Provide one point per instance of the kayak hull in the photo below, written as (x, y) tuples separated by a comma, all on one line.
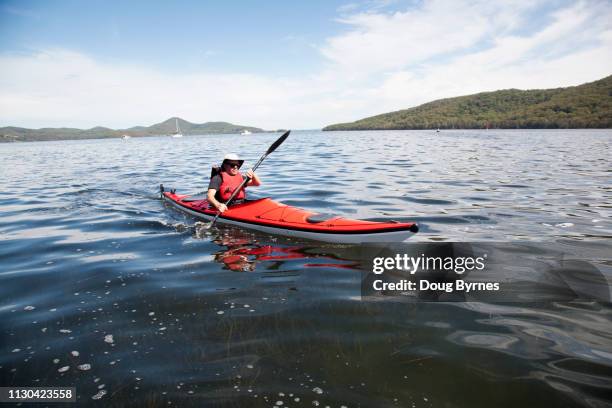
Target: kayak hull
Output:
[(270, 217)]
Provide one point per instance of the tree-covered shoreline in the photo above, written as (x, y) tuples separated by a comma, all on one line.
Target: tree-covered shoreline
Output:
[(584, 106)]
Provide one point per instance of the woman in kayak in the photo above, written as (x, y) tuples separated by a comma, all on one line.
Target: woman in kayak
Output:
[(223, 184)]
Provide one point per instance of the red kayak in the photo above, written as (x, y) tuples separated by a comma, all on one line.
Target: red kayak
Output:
[(272, 217)]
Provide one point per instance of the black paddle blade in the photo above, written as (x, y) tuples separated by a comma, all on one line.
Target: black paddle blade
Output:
[(278, 142)]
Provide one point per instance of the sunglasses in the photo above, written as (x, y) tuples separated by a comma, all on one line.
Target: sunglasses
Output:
[(233, 164)]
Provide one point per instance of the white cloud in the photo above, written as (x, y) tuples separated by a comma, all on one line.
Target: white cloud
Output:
[(379, 42), (383, 62), (348, 7), (64, 87)]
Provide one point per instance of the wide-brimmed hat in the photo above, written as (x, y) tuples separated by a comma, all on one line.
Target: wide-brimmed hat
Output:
[(233, 157)]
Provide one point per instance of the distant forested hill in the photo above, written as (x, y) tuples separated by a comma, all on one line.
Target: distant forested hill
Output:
[(584, 106), (17, 134)]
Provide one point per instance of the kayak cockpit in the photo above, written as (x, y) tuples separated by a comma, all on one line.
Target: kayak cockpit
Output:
[(319, 217), (191, 199)]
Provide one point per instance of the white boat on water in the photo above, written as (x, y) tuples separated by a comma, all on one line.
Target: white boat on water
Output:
[(126, 137), (245, 132), (177, 133)]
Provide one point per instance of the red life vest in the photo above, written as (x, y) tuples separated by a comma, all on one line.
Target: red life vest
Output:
[(228, 184)]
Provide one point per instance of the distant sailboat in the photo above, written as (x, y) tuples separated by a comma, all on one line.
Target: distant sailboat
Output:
[(245, 132), (178, 130)]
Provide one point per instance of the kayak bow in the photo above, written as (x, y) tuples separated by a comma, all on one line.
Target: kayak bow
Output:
[(271, 217)]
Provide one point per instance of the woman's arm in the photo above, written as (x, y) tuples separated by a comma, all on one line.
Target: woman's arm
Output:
[(255, 180), (211, 199)]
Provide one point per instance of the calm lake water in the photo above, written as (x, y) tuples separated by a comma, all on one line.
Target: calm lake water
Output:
[(105, 288)]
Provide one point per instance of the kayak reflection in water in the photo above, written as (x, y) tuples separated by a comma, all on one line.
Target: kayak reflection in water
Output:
[(242, 253), (226, 179)]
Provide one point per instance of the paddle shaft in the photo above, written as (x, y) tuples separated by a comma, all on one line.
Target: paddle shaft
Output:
[(246, 180)]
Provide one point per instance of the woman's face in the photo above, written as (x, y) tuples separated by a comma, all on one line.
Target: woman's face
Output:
[(232, 167)]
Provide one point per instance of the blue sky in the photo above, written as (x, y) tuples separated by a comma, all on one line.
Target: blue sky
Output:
[(282, 64), (191, 35)]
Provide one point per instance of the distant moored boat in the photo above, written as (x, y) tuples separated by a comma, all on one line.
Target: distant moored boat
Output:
[(177, 133), (245, 132)]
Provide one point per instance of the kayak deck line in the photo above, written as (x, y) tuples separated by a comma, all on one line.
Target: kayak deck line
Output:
[(276, 218)]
